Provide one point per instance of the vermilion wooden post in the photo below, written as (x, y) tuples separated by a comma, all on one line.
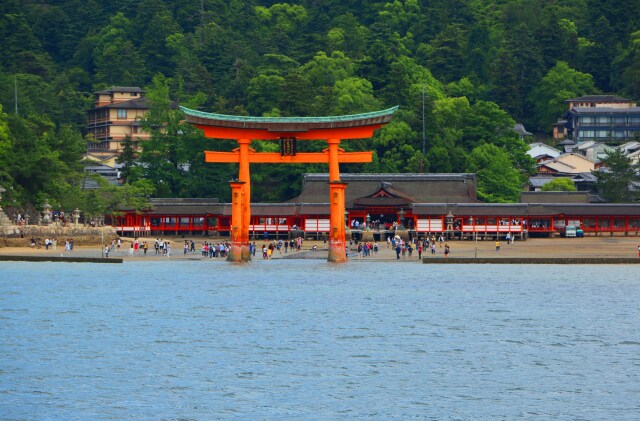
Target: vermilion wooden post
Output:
[(243, 147), (337, 245), (236, 254)]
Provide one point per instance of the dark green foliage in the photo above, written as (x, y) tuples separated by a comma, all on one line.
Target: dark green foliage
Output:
[(483, 66), (619, 180)]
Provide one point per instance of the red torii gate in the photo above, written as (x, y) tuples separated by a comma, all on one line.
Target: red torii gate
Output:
[(288, 130)]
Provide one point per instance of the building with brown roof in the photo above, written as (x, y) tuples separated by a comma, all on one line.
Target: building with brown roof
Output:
[(566, 164), (116, 115), (602, 118)]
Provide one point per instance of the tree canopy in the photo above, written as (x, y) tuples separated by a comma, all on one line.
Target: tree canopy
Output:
[(462, 73), (619, 179), (559, 184)]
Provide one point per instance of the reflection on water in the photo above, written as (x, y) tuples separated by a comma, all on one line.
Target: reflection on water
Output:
[(309, 340)]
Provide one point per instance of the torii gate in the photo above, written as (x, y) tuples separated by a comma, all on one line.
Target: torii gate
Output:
[(288, 130)]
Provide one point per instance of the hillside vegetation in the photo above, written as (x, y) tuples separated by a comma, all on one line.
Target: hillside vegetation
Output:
[(471, 68)]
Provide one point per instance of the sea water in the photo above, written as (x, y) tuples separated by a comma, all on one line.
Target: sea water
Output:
[(302, 339)]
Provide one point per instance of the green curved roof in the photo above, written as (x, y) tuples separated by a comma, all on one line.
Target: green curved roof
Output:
[(326, 119), (288, 123)]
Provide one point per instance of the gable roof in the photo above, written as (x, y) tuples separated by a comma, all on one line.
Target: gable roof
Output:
[(604, 110), (138, 103), (569, 163), (391, 189), (123, 89), (539, 149), (598, 98)]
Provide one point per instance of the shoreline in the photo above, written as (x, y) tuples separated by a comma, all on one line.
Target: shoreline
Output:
[(557, 250)]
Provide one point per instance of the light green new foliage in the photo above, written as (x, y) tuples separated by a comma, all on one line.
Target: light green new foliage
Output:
[(5, 148), (559, 184), (498, 181)]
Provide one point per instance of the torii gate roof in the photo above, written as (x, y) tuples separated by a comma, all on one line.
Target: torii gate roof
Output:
[(289, 124)]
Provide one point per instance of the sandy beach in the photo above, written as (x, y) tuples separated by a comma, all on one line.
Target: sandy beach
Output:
[(591, 247)]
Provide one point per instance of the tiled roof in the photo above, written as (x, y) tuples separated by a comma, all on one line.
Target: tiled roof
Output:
[(288, 123), (124, 89), (405, 188), (138, 103), (605, 110), (598, 98)]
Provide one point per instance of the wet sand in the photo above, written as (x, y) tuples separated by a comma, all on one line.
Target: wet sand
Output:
[(589, 247)]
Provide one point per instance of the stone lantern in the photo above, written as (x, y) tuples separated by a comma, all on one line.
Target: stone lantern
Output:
[(3, 218), (401, 219), (46, 213), (449, 221), (76, 216)]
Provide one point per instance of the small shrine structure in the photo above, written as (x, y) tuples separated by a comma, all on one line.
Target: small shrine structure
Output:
[(288, 131)]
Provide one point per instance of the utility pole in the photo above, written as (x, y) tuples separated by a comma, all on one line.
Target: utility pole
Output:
[(201, 12), (15, 91), (424, 138)]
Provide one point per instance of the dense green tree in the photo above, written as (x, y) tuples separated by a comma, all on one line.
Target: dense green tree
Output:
[(559, 84), (21, 50), (6, 178), (349, 35), (394, 148), (264, 92), (400, 16), (559, 184), (130, 170), (504, 83), (626, 76), (164, 157), (600, 53), (498, 181), (111, 200), (446, 55), (439, 159), (354, 95), (619, 180), (300, 59), (116, 58), (154, 47)]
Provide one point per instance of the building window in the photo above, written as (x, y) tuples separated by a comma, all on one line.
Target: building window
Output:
[(620, 135), (122, 113)]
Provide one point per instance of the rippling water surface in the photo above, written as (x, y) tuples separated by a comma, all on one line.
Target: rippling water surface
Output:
[(309, 340)]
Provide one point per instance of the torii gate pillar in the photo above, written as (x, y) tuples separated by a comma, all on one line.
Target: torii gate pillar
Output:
[(239, 251), (337, 245)]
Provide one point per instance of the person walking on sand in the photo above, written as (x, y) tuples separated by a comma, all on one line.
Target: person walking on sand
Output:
[(446, 250), (497, 245), (106, 251)]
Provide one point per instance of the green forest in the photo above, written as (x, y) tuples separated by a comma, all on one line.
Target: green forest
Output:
[(462, 71)]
